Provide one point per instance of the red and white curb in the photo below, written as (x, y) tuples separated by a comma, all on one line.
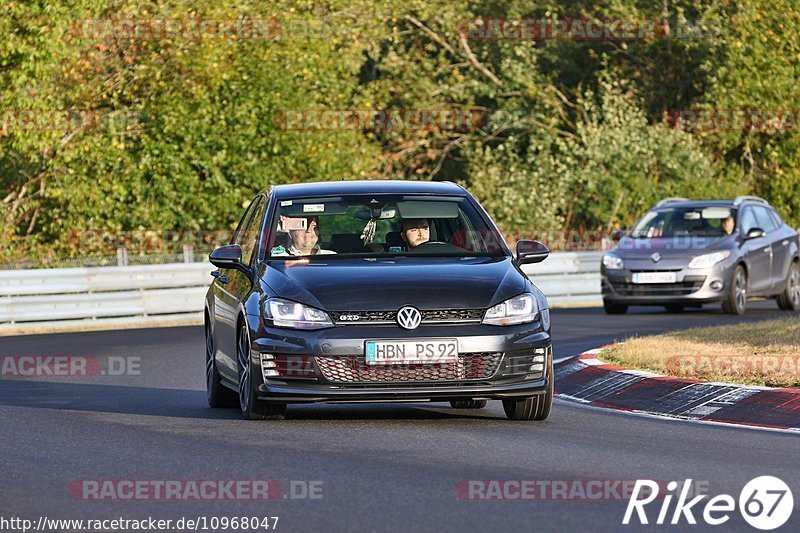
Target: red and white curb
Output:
[(588, 380)]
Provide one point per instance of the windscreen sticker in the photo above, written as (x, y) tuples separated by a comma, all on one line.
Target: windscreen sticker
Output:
[(284, 203), (314, 208)]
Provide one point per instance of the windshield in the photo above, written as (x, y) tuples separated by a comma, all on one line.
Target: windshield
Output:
[(712, 221), (379, 226)]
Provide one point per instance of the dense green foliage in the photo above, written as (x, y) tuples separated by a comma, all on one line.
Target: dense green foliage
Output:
[(103, 130)]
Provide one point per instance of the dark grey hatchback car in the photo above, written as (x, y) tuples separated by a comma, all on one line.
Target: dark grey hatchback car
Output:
[(375, 291), (685, 253)]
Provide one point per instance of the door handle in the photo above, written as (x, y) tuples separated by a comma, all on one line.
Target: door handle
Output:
[(221, 277)]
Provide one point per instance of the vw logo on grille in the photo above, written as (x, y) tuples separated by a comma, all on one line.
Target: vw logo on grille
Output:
[(656, 257), (409, 317)]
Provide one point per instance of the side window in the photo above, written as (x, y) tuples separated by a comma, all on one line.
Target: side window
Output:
[(242, 227), (252, 232), (777, 218), (748, 221), (765, 221)]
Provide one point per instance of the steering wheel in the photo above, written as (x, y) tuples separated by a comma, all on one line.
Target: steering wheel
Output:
[(433, 243)]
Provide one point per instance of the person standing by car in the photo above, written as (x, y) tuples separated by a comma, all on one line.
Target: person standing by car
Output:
[(416, 231)]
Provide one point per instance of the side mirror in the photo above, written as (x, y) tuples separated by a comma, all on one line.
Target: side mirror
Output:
[(617, 235), (228, 256), (531, 252), (754, 233)]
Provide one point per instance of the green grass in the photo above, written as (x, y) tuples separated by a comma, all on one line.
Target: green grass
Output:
[(757, 353)]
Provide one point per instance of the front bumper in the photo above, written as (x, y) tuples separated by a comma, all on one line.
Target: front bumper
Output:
[(693, 286), (494, 363)]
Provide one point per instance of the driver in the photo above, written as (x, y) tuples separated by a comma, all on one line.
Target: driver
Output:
[(728, 225), (415, 231)]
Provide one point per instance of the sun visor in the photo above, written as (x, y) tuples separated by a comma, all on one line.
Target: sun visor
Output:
[(427, 209), (716, 212)]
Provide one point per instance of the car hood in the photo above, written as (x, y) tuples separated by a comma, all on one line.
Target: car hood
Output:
[(376, 284), (671, 248)]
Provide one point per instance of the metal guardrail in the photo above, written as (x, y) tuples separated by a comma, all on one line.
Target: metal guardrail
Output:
[(568, 278), (175, 291), (152, 292)]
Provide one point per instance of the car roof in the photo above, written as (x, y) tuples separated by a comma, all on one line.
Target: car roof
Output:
[(711, 203), (697, 203), (335, 188)]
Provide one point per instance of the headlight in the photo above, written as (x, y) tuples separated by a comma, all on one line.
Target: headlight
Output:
[(708, 260), (612, 262), (286, 314), (518, 310)]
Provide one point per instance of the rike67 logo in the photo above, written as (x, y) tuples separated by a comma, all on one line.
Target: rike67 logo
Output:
[(765, 503)]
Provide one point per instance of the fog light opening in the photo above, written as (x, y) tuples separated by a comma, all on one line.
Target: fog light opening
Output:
[(268, 366), (717, 285)]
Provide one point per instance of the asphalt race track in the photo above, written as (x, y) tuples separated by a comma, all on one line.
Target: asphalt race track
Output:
[(393, 467)]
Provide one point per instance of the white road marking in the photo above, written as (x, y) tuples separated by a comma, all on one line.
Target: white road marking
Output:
[(577, 402)]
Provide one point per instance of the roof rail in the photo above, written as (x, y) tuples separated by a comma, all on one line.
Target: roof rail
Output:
[(671, 200), (745, 198)]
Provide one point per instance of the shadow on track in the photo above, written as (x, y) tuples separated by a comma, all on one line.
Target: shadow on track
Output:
[(192, 404)]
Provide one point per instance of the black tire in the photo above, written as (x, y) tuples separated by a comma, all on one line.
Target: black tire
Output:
[(218, 394), (614, 309), (735, 302), (533, 408), (468, 404), (674, 308), (252, 408), (789, 299)]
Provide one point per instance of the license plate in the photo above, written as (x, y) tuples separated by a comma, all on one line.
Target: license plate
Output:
[(655, 277), (434, 351)]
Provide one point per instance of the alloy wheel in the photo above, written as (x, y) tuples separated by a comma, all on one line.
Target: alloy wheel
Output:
[(244, 369), (209, 359), (794, 286), (741, 289)]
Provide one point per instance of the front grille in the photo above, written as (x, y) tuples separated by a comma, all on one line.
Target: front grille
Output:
[(353, 369), (436, 316), (689, 285), (634, 271)]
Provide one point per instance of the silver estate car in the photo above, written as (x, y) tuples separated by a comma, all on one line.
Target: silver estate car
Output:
[(684, 253)]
